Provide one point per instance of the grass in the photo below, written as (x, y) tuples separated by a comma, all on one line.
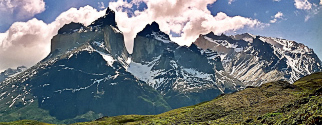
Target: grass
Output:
[(24, 122), (272, 103)]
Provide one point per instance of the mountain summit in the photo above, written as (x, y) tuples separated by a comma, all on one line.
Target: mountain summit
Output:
[(255, 60), (85, 74), (183, 73), (149, 29), (107, 19), (153, 31), (90, 73)]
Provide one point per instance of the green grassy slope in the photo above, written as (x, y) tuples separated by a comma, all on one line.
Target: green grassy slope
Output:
[(24, 122), (272, 103)]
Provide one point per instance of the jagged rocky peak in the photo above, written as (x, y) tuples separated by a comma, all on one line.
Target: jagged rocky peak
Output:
[(149, 29), (113, 38), (107, 19), (193, 47), (102, 35), (218, 37), (244, 55), (150, 43), (185, 73), (244, 35), (153, 31), (89, 64), (71, 28)]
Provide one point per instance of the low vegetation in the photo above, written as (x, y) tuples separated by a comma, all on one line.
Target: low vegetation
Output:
[(272, 103)]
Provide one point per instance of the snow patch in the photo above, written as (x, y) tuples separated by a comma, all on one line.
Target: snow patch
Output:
[(14, 100), (225, 43), (160, 37), (248, 40), (238, 50), (116, 30), (142, 72), (99, 44), (194, 73), (107, 57)]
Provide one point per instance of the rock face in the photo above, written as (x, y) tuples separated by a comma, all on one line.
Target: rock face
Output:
[(107, 20), (90, 73), (114, 41), (85, 74), (71, 28), (275, 102), (104, 29), (183, 73), (255, 60)]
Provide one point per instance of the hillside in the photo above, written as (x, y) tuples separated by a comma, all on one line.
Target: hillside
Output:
[(89, 74), (84, 74), (11, 72), (271, 103), (255, 60), (274, 102)]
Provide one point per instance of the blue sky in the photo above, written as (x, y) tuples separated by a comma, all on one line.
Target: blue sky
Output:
[(293, 26), (298, 20)]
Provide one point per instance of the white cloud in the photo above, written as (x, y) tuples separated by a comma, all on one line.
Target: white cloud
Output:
[(303, 4), (26, 43), (278, 15), (312, 12), (311, 9), (101, 5), (187, 18), (277, 0), (85, 15), (15, 10), (230, 1), (273, 20)]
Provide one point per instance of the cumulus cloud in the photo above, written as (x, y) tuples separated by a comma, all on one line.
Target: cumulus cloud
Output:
[(278, 15), (26, 43), (186, 18), (312, 12), (85, 15), (311, 9), (19, 9), (303, 4)]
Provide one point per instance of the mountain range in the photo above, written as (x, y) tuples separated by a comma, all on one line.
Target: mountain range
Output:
[(90, 74), (276, 102), (11, 72)]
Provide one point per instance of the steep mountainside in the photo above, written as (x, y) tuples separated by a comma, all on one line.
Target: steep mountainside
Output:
[(183, 73), (272, 103), (255, 59), (89, 74), (85, 74)]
